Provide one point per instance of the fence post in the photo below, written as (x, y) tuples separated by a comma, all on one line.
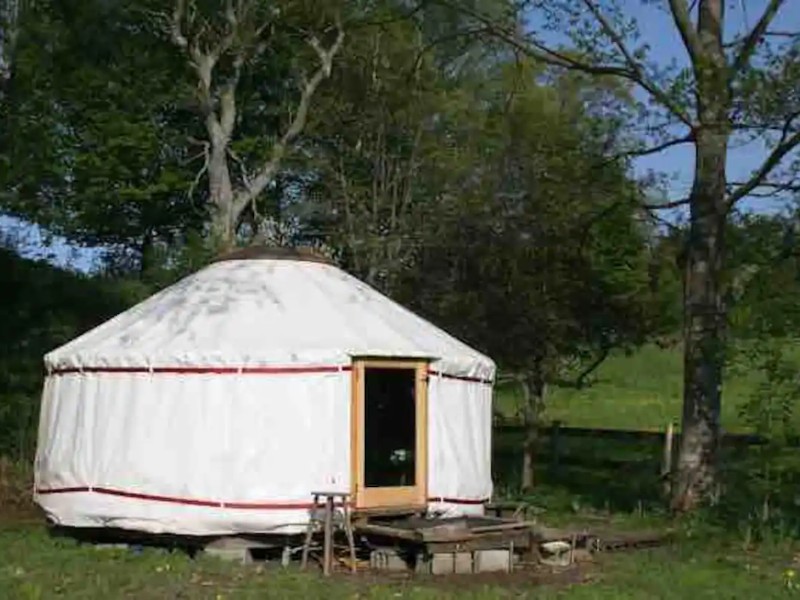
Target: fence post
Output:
[(555, 444), (666, 461)]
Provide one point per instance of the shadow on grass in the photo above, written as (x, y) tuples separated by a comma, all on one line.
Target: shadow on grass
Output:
[(601, 474), (760, 494)]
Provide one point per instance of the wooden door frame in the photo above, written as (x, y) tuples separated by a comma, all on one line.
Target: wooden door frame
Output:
[(410, 496)]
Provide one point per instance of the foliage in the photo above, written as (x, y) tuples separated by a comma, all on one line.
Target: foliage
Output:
[(731, 87), (537, 256), (94, 140), (42, 308)]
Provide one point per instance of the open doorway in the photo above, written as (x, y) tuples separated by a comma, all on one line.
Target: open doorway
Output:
[(390, 433)]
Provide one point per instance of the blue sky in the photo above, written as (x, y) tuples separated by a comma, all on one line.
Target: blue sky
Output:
[(33, 242), (656, 28)]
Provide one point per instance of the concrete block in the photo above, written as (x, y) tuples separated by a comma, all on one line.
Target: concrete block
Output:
[(451, 562), (487, 561), (463, 562), (231, 549), (111, 546), (241, 555), (387, 560), (422, 564)]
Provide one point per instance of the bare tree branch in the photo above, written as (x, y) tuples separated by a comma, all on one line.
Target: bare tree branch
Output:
[(206, 154), (666, 205), (176, 25), (267, 172), (242, 168), (786, 145), (750, 42), (775, 188), (681, 15), (444, 39), (632, 72), (639, 152)]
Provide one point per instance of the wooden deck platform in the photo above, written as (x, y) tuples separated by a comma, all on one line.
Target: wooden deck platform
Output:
[(460, 534)]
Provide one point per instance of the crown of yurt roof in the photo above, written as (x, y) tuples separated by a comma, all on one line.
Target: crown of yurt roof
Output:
[(256, 252)]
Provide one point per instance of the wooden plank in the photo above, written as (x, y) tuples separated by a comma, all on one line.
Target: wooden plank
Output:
[(387, 511), (328, 541), (356, 432), (421, 457), (504, 526), (387, 531), (495, 541)]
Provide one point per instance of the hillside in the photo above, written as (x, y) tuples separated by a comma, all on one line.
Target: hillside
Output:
[(640, 391)]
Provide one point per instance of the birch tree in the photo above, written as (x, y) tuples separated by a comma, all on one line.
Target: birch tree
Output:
[(219, 46), (9, 30), (733, 85)]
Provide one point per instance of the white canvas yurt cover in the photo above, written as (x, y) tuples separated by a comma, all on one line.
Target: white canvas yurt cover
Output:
[(218, 405)]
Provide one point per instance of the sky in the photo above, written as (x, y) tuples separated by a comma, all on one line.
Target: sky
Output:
[(678, 162), (656, 27)]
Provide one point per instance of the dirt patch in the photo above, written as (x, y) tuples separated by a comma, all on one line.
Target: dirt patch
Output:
[(15, 489), (10, 518)]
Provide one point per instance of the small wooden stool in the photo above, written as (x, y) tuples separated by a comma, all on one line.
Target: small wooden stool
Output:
[(327, 520)]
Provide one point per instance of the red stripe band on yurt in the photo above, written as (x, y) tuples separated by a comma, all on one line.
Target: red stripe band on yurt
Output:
[(274, 505), (460, 377), (463, 501), (204, 370), (66, 490)]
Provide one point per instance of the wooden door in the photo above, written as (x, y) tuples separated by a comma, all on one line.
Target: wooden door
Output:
[(389, 433)]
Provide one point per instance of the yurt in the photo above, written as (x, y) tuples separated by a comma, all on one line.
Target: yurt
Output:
[(218, 405)]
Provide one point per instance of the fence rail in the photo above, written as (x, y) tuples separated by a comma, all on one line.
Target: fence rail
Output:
[(650, 435)]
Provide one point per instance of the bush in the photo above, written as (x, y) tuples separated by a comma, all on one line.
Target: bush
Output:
[(16, 481)]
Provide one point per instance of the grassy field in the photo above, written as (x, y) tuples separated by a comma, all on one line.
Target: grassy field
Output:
[(640, 391), (35, 566)]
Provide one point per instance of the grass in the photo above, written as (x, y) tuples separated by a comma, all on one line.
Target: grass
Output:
[(34, 565), (15, 486), (641, 391), (693, 570)]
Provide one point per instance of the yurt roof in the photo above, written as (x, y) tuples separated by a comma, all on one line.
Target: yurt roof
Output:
[(266, 307)]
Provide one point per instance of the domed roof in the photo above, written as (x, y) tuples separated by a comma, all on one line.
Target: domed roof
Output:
[(275, 308)]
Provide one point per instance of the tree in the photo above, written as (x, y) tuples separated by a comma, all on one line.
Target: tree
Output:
[(534, 253), (381, 140), (375, 145), (219, 45), (732, 86), (9, 31), (95, 151)]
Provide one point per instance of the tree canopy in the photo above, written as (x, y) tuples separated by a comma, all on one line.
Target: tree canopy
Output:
[(470, 159)]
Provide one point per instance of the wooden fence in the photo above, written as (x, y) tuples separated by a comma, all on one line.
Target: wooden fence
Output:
[(558, 430), (650, 450)]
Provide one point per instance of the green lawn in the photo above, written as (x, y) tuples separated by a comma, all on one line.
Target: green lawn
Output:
[(34, 565), (640, 391)]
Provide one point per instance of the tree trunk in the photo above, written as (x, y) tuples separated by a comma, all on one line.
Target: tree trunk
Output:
[(146, 249), (704, 311), (704, 331), (9, 30), (223, 219), (533, 391)]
